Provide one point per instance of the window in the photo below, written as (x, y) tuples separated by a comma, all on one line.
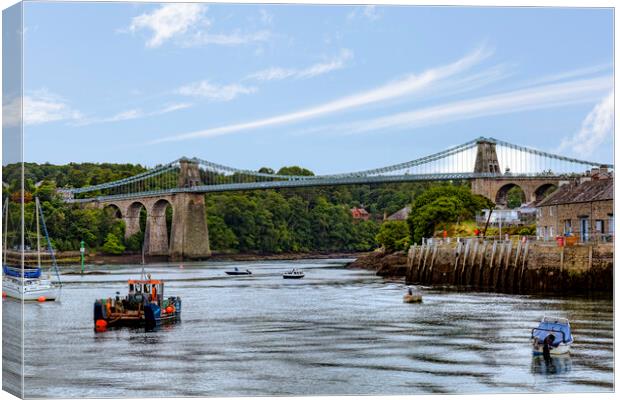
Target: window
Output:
[(599, 226), (611, 224), (551, 232), (567, 226), (584, 225), (551, 211)]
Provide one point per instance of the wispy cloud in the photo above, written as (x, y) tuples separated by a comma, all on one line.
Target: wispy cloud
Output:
[(186, 24), (278, 73), (369, 12), (545, 96), (214, 92), (575, 73), (402, 87), (265, 16), (39, 107), (130, 114), (168, 21), (595, 129), (225, 39)]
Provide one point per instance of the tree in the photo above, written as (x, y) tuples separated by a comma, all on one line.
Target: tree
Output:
[(295, 170), (440, 205), (393, 235), (515, 197), (113, 245)]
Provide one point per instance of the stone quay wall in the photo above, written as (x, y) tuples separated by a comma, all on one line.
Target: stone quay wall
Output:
[(513, 266)]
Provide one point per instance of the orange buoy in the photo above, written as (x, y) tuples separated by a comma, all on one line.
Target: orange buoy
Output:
[(41, 299), (101, 325), (169, 309)]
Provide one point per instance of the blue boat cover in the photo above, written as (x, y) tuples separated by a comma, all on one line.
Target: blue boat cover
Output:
[(545, 328), (17, 272)]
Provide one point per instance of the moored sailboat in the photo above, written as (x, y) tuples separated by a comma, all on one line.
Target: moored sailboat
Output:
[(25, 282)]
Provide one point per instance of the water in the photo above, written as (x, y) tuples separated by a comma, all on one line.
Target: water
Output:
[(336, 331)]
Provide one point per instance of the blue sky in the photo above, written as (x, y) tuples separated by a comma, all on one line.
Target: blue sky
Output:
[(331, 88)]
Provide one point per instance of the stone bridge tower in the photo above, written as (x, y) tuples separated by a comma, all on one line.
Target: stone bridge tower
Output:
[(486, 158), (496, 188)]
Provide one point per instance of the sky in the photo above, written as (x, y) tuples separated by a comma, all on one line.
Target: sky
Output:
[(330, 88)]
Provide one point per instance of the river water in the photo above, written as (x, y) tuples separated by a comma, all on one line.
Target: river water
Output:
[(337, 331)]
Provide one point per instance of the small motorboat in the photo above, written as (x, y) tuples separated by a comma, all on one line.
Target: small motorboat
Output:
[(411, 297), (236, 271), (552, 335), (293, 274)]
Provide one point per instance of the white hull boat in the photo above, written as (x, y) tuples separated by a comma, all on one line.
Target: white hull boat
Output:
[(30, 289), (26, 282)]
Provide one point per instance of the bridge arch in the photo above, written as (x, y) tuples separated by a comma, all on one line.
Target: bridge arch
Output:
[(501, 197), (158, 226), (544, 190), (132, 218), (114, 210)]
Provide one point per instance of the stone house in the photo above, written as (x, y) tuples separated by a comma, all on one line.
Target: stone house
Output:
[(583, 208)]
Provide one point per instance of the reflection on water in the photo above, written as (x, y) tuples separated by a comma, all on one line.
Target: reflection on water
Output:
[(336, 331), (559, 364)]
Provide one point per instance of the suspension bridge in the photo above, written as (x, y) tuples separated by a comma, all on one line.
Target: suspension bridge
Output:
[(493, 166)]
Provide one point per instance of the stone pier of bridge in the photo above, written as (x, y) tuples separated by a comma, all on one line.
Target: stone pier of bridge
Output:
[(188, 237)]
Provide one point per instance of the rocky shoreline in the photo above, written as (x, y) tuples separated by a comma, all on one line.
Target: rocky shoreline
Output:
[(393, 265)]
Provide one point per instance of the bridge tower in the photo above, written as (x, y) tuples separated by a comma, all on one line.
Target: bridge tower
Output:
[(486, 157), (189, 236)]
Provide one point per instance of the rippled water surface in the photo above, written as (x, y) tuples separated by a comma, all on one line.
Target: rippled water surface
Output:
[(336, 331)]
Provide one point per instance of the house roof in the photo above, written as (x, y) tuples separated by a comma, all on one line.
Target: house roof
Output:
[(594, 190), (400, 215)]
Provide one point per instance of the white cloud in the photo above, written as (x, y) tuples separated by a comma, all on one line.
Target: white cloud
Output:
[(547, 96), (266, 17), (402, 87), (277, 73), (215, 92), (186, 24), (39, 107), (131, 114), (595, 128), (11, 112), (225, 39), (168, 21), (369, 12)]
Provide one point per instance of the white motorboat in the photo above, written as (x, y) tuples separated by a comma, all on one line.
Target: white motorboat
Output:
[(293, 274), (553, 335)]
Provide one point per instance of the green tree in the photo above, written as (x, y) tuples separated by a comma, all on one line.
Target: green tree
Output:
[(440, 205), (295, 170), (393, 235), (113, 245), (515, 197)]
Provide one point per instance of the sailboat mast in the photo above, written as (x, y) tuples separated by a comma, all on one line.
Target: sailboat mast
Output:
[(36, 211), (6, 227)]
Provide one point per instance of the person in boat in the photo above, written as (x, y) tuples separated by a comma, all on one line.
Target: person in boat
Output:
[(547, 343), (409, 292), (236, 269)]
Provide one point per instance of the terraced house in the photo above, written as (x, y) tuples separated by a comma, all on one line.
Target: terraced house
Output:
[(582, 208)]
